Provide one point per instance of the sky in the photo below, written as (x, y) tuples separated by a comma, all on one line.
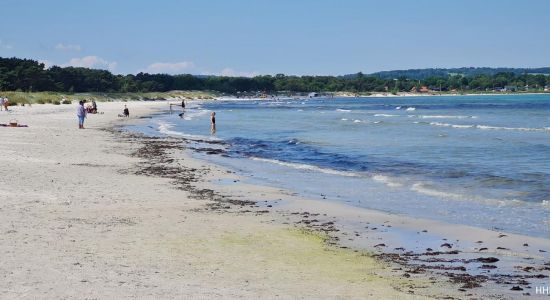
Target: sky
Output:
[(298, 37)]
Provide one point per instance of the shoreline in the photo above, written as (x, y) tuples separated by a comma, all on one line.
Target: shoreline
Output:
[(450, 243), (210, 192), (95, 214)]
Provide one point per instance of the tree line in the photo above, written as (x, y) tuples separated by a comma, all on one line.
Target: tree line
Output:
[(445, 72), (29, 75)]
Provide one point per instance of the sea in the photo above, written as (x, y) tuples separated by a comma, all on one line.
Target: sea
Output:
[(482, 161)]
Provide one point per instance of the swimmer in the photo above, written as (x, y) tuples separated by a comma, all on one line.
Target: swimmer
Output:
[(213, 122)]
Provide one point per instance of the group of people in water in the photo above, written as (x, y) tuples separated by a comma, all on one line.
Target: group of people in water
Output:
[(212, 117), (82, 112)]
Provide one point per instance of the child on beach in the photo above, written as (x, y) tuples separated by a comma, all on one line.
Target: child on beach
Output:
[(81, 114), (126, 112), (213, 122)]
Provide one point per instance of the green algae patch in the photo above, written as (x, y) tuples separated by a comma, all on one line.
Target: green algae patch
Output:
[(240, 251), (303, 250)]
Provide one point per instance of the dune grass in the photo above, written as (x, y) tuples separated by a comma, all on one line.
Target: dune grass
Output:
[(22, 98)]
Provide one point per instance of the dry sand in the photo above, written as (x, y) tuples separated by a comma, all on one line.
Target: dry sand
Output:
[(78, 223)]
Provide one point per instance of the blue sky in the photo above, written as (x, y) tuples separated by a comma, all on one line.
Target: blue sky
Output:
[(246, 37)]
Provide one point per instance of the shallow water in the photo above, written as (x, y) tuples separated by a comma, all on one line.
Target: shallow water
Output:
[(476, 160)]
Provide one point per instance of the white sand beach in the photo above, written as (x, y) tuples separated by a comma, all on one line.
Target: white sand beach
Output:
[(77, 223)]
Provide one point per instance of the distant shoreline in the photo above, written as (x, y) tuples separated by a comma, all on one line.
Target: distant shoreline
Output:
[(25, 98)]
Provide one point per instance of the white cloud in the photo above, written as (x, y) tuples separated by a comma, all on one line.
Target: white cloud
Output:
[(47, 63), (169, 68), (67, 47), (91, 61), (232, 73), (5, 46)]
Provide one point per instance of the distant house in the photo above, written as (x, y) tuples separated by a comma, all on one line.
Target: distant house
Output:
[(313, 95), (424, 89), (413, 90), (546, 89), (510, 88), (435, 89)]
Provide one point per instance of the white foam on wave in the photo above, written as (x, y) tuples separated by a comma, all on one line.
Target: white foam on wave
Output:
[(444, 117), (545, 203), (512, 128), (387, 181), (344, 119), (410, 109), (307, 167), (357, 121), (451, 125), (399, 107), (425, 189), (385, 115), (166, 128), (486, 127), (191, 114), (343, 110)]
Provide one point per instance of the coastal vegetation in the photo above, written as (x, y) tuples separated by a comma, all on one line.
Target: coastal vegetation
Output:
[(19, 97), (467, 72), (26, 75)]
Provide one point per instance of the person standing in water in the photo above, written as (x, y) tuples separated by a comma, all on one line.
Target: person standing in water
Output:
[(182, 104), (81, 114), (213, 122)]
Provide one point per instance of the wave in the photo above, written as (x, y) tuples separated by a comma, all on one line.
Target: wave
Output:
[(426, 189), (513, 128), (445, 117), (307, 167), (388, 181), (166, 128), (385, 115), (343, 110), (191, 114), (294, 142), (451, 125), (410, 109), (486, 127)]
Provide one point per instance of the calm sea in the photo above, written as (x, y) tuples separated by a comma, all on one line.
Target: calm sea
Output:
[(476, 160)]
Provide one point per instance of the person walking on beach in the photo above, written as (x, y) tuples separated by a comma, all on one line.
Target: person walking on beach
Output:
[(182, 104), (81, 114), (1, 103), (213, 122)]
